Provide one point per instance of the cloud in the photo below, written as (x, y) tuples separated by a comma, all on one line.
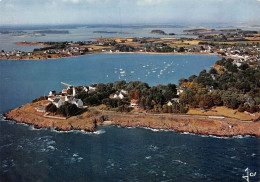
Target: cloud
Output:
[(150, 2), (81, 1)]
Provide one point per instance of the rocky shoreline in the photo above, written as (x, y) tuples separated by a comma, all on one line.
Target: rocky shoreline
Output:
[(38, 121), (202, 125), (195, 124)]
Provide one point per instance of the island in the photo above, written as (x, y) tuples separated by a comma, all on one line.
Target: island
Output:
[(211, 103), (110, 32), (160, 32), (52, 31)]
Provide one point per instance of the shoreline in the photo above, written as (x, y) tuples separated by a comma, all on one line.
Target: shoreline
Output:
[(88, 122), (159, 53)]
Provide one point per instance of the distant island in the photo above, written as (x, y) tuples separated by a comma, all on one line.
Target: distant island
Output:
[(11, 32), (160, 32), (221, 31), (52, 31), (110, 32), (212, 103)]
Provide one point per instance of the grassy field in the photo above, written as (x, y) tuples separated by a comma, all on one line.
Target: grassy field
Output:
[(224, 111)]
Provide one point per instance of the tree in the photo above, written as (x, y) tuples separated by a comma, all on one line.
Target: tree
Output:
[(213, 71), (119, 85), (181, 49), (68, 109), (204, 79), (182, 80), (135, 94), (244, 66), (192, 78), (51, 108), (170, 91)]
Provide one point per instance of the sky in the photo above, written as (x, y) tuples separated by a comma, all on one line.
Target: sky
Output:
[(29, 12)]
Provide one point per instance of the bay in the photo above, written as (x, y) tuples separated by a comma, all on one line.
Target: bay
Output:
[(112, 153)]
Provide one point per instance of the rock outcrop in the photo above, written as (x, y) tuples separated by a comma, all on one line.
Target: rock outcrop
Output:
[(187, 123), (197, 124)]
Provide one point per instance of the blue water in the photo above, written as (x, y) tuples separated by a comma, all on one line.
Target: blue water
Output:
[(81, 34), (112, 153), (22, 81)]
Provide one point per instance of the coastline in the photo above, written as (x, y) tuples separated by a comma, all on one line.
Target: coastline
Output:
[(88, 121), (159, 53)]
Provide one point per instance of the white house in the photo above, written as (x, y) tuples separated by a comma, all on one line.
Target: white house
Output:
[(126, 91), (77, 102), (118, 95), (52, 93), (85, 89), (173, 101), (51, 98), (68, 98), (92, 89), (179, 91), (57, 102)]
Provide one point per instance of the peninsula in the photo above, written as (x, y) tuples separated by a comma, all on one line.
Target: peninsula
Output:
[(211, 103)]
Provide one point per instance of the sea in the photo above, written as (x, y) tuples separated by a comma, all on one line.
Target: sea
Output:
[(113, 153)]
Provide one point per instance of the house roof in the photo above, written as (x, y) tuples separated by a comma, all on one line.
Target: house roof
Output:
[(76, 100), (56, 100), (134, 101)]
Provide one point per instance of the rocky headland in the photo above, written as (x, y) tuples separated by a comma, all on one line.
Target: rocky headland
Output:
[(88, 121)]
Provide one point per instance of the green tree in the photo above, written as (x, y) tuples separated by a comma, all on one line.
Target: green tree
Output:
[(51, 108)]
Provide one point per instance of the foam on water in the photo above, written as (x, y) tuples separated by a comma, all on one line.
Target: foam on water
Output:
[(148, 157), (153, 148), (179, 161), (98, 132), (32, 128), (218, 137)]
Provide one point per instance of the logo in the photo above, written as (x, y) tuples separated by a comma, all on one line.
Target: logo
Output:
[(248, 175)]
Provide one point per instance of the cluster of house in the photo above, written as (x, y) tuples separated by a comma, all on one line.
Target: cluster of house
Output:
[(14, 53), (134, 102), (240, 54), (121, 95), (59, 99), (70, 51)]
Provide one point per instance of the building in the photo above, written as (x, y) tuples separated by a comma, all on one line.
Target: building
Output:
[(68, 98), (52, 93), (51, 98), (173, 101), (74, 92), (77, 102), (126, 91), (92, 89), (58, 102), (179, 90), (134, 103), (85, 89), (64, 91), (118, 95)]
